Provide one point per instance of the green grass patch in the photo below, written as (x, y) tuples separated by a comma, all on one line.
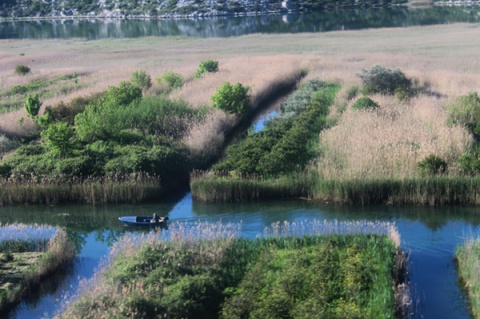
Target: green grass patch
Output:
[(13, 98), (201, 274)]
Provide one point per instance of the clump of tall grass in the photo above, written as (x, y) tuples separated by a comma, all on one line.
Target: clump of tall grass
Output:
[(468, 259), (56, 251), (56, 189), (190, 270)]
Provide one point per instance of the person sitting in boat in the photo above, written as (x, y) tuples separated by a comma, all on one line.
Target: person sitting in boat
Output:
[(155, 218)]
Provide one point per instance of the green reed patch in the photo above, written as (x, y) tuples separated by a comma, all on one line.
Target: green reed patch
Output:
[(206, 271), (56, 189), (468, 260)]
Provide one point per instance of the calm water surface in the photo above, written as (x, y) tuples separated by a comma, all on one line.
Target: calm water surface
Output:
[(429, 235), (351, 19)]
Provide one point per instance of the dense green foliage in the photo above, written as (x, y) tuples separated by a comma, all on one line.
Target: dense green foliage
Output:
[(283, 146), (22, 69), (207, 66), (379, 79), (337, 276), (117, 133), (468, 260), (232, 98)]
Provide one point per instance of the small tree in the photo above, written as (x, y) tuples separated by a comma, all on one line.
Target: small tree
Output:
[(32, 106), (141, 80), (232, 98), (22, 69), (208, 66)]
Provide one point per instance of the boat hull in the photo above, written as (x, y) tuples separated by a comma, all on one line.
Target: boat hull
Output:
[(142, 221)]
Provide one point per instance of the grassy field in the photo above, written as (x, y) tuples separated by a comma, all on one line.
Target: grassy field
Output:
[(444, 56)]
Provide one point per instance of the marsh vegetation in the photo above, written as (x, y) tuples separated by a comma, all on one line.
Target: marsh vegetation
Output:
[(206, 271), (29, 254)]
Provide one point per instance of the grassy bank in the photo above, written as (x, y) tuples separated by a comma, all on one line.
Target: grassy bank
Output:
[(56, 190), (206, 271), (28, 255), (468, 260), (426, 191)]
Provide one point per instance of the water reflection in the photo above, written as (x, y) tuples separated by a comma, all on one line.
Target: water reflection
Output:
[(348, 19), (430, 235)]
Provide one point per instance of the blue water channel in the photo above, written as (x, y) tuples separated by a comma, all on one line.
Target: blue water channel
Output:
[(429, 235)]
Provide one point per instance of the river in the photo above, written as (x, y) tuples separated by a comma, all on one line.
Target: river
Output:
[(429, 235), (351, 19)]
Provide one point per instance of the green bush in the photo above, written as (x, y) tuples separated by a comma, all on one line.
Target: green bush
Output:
[(232, 98), (365, 103), (432, 165), (22, 69), (58, 138), (208, 66), (171, 79), (465, 110), (141, 80), (379, 79), (469, 163)]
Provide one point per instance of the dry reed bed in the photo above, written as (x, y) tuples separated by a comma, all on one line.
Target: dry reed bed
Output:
[(445, 56), (390, 141)]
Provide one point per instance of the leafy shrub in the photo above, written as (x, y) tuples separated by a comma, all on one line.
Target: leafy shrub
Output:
[(232, 98), (379, 79), (465, 110), (32, 106), (365, 103), (469, 163), (22, 69), (208, 66), (171, 79), (432, 165), (141, 80)]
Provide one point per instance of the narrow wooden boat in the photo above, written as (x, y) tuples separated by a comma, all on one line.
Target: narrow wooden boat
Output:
[(143, 221)]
